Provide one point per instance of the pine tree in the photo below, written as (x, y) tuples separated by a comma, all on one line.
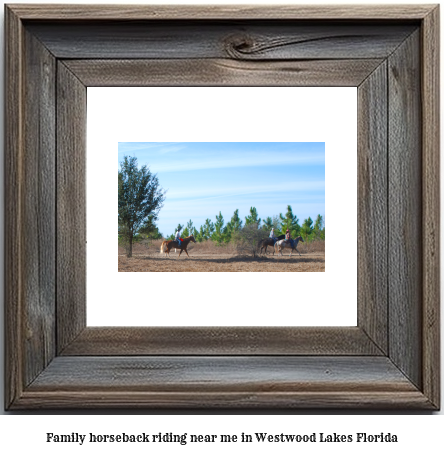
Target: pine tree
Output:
[(267, 224), (235, 224), (218, 235), (290, 222), (307, 229), (190, 228), (208, 228), (319, 230), (272, 222), (149, 229), (200, 236), (253, 218), (139, 196)]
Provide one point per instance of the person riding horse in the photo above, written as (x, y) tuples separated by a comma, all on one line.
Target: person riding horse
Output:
[(288, 237), (273, 236), (178, 237)]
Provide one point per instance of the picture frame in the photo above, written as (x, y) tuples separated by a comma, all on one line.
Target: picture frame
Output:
[(389, 360)]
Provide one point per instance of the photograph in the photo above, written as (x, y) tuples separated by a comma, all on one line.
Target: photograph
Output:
[(221, 207), (351, 92)]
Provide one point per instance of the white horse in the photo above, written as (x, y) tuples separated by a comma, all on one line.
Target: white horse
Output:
[(288, 244)]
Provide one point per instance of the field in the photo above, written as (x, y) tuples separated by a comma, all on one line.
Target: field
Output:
[(207, 257)]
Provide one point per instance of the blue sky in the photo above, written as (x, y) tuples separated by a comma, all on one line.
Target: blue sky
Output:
[(202, 179)]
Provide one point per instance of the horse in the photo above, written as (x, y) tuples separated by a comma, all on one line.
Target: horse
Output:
[(269, 242), (168, 245), (284, 243)]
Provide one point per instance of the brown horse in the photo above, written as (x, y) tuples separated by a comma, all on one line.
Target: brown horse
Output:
[(168, 245), (268, 242)]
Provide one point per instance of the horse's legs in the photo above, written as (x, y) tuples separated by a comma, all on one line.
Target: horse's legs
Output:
[(297, 251), (180, 252), (187, 253)]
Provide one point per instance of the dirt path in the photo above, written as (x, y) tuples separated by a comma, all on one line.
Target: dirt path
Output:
[(314, 262)]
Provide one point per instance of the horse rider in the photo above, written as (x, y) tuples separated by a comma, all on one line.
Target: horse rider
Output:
[(273, 236), (288, 237), (178, 237)]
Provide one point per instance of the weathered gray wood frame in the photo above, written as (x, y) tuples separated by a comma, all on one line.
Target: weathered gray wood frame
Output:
[(390, 360)]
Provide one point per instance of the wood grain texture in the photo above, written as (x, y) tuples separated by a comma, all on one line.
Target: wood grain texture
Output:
[(372, 207), (220, 12), (431, 205), (246, 401), (221, 72), (30, 208), (341, 382), (405, 209), (71, 206), (39, 207), (248, 40), (13, 209), (126, 341), (235, 40)]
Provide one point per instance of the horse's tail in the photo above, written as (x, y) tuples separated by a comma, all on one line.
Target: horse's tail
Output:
[(162, 246)]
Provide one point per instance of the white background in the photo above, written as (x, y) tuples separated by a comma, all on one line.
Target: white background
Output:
[(22, 434), (187, 114)]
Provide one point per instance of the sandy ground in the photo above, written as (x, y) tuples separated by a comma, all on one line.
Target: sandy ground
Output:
[(313, 262)]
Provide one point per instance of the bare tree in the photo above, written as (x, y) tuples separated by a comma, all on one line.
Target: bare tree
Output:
[(248, 241)]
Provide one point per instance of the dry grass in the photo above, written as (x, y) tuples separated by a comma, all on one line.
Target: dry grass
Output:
[(222, 263), (312, 247), (208, 257)]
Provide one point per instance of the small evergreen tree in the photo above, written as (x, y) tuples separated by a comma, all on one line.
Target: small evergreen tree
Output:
[(307, 229), (208, 229), (290, 222), (253, 218), (235, 224), (149, 230), (190, 228), (267, 223), (218, 235), (319, 230), (200, 235), (272, 222), (195, 233)]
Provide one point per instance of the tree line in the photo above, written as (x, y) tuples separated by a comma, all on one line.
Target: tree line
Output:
[(222, 233), (140, 199)]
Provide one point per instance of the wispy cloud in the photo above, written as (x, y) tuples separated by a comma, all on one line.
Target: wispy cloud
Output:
[(158, 148), (169, 149), (287, 187), (239, 162), (206, 156)]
